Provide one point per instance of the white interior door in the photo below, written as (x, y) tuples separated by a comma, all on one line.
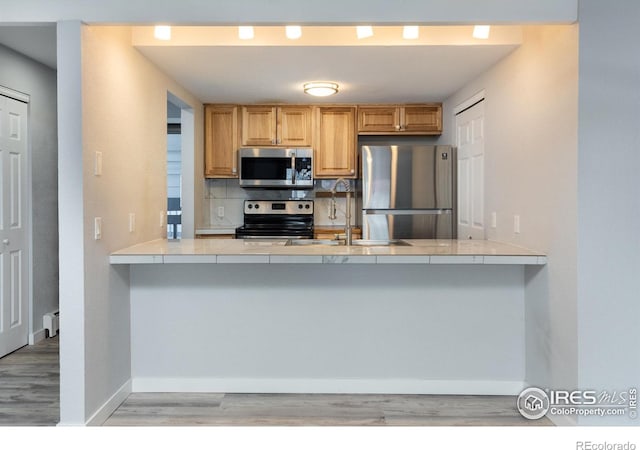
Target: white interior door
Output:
[(14, 255), (470, 143)]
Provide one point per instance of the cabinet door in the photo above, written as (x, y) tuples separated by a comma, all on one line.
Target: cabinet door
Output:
[(335, 142), (377, 119), (294, 126), (422, 119), (258, 126), (221, 142)]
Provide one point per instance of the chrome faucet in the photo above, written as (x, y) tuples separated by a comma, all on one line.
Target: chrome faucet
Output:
[(347, 225)]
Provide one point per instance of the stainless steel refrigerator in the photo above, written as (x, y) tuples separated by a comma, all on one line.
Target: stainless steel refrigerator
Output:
[(408, 192)]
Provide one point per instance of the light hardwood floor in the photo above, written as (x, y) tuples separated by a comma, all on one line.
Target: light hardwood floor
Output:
[(155, 409), (29, 395), (30, 385)]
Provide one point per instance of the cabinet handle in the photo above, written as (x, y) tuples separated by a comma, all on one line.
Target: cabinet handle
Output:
[(353, 170), (234, 170), (398, 127)]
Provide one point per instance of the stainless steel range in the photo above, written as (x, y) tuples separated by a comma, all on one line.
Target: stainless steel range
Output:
[(277, 219)]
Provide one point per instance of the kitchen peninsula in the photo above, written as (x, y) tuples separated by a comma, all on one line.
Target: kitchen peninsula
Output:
[(437, 316), (419, 251)]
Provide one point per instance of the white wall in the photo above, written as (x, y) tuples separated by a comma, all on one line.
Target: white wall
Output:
[(530, 170), (285, 11), (608, 198), (39, 82), (327, 328), (123, 115), (71, 229)]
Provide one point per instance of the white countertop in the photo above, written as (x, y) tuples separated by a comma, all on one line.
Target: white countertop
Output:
[(421, 251)]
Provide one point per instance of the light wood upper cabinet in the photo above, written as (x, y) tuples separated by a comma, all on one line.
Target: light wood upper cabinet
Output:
[(282, 126), (258, 126), (331, 130), (294, 126), (334, 142), (378, 119), (425, 119), (221, 141)]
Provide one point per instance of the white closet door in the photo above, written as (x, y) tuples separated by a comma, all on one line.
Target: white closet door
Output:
[(470, 143), (14, 254)]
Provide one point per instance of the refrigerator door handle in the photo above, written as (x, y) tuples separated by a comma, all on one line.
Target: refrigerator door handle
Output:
[(397, 212)]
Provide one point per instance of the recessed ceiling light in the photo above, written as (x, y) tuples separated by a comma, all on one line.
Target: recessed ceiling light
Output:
[(245, 32), (293, 31), (410, 32), (320, 88), (364, 31), (162, 32), (481, 31)]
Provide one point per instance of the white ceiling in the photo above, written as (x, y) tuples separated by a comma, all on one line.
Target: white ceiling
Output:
[(365, 74)]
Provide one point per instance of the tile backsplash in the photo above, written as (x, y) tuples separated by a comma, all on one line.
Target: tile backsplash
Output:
[(228, 195)]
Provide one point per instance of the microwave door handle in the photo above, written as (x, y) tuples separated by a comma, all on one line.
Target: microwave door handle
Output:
[(293, 169)]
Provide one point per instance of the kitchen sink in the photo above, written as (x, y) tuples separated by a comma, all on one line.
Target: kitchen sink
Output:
[(356, 242), (379, 243), (308, 242)]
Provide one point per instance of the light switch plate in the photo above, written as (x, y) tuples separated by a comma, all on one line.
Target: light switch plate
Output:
[(132, 222), (97, 228), (516, 223), (494, 219), (97, 169), (220, 211)]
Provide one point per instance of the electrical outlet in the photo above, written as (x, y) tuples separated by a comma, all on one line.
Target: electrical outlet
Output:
[(97, 228), (132, 222), (220, 211), (494, 219), (516, 224), (97, 168)]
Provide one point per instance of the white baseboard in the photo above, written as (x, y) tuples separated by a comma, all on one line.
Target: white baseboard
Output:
[(37, 336), (327, 386), (103, 413)]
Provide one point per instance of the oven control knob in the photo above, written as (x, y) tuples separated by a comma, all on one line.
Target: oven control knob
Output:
[(300, 206), (307, 206), (257, 206), (250, 206)]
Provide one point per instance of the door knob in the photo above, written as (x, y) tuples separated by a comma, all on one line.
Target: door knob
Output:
[(5, 241)]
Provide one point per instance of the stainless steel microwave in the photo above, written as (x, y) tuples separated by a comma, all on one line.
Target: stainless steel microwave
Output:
[(276, 167)]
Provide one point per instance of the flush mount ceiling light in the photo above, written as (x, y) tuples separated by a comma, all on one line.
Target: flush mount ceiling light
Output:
[(320, 88), (245, 32), (162, 32), (410, 32), (293, 31), (481, 31), (364, 31)]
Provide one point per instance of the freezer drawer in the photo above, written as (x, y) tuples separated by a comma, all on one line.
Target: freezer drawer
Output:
[(408, 226)]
